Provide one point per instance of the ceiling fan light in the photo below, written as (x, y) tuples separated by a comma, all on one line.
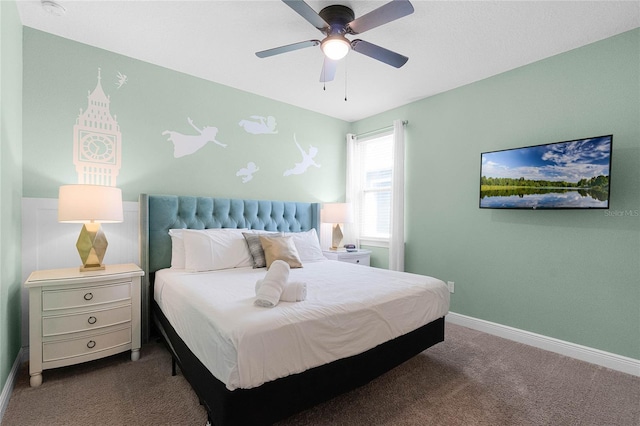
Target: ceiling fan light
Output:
[(335, 47)]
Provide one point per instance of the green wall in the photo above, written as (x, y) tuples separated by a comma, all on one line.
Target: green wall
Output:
[(59, 73), (572, 275), (10, 185)]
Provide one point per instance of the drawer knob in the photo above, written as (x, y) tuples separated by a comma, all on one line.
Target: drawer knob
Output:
[(357, 260), (88, 296), (91, 344), (92, 320)]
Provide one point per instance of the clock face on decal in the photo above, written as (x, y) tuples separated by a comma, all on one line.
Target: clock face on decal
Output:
[(96, 147)]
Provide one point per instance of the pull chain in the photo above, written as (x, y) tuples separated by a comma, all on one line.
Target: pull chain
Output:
[(345, 79), (324, 82)]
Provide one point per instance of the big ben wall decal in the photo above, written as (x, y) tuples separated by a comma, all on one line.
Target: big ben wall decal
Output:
[(97, 141)]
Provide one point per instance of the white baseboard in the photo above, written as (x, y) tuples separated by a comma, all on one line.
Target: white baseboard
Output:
[(583, 353), (5, 396)]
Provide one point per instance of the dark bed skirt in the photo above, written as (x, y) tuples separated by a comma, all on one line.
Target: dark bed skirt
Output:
[(283, 397)]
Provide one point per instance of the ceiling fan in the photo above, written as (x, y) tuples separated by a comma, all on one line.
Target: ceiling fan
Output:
[(334, 22)]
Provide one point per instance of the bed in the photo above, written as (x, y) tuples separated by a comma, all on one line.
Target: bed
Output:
[(264, 377)]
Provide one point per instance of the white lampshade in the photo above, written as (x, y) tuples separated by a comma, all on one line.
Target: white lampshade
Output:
[(335, 47), (90, 203), (337, 213)]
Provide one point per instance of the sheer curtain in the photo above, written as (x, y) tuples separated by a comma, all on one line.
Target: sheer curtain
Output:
[(396, 240), (353, 190), (352, 230)]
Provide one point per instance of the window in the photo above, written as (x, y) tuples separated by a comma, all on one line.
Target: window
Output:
[(375, 188), (373, 179)]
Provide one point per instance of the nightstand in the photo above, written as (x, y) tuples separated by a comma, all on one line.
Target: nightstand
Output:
[(360, 257), (78, 316)]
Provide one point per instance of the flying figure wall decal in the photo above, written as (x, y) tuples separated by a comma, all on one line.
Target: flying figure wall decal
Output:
[(259, 125), (247, 172), (188, 144), (307, 160), (122, 80)]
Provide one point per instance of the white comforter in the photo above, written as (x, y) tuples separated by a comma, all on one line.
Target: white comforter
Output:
[(349, 309)]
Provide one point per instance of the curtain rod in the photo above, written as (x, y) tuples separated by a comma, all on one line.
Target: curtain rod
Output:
[(383, 129)]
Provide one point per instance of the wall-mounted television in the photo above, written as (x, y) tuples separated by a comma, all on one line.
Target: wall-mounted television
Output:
[(561, 175)]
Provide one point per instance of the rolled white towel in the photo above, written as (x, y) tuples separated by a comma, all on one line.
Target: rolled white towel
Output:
[(268, 295), (294, 291)]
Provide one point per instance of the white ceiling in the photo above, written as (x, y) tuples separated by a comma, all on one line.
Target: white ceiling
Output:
[(449, 43)]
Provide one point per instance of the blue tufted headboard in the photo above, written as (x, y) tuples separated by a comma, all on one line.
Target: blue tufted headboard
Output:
[(159, 213)]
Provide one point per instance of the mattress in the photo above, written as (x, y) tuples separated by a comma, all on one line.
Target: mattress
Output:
[(349, 309)]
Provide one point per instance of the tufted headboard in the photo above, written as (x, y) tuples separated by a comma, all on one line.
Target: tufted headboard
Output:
[(159, 213)]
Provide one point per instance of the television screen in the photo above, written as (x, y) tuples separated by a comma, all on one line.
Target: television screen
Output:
[(562, 175)]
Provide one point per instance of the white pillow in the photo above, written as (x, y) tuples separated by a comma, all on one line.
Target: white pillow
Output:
[(307, 245), (177, 248), (213, 249)]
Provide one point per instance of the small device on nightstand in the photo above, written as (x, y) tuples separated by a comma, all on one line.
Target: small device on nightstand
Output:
[(359, 257)]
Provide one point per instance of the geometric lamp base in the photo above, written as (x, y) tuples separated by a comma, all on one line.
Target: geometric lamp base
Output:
[(336, 237), (92, 246)]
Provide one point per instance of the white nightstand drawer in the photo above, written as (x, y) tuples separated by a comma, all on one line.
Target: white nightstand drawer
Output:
[(362, 259), (62, 324), (61, 349), (78, 297)]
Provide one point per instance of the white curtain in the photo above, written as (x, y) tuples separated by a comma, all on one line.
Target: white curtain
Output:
[(352, 230), (396, 240)]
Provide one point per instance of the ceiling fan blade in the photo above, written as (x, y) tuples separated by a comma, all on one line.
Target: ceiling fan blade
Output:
[(287, 48), (384, 14), (328, 70), (308, 13), (380, 53)]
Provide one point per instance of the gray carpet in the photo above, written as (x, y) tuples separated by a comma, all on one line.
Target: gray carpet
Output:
[(471, 379)]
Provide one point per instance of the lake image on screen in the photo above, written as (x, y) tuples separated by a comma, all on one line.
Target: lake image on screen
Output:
[(571, 174)]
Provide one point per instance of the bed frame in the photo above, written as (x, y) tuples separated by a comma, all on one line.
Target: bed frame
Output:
[(283, 397)]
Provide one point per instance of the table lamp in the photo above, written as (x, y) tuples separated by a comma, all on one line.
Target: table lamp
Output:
[(337, 213), (90, 205)]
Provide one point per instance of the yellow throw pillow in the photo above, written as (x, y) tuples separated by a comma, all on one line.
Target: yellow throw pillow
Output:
[(280, 248)]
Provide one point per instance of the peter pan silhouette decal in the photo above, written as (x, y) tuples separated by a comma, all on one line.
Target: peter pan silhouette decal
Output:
[(307, 160)]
